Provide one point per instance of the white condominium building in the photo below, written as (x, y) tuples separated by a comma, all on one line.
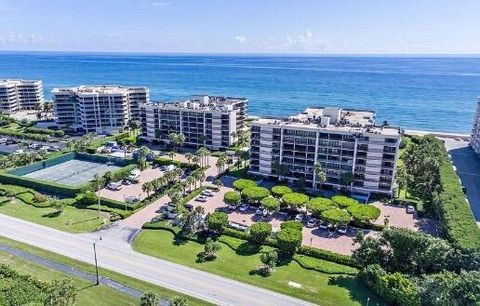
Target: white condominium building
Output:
[(343, 141), (475, 137), (18, 95), (100, 109), (204, 120)]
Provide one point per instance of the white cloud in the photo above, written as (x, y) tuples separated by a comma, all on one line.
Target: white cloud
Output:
[(305, 42), (241, 39), (162, 3), (25, 39)]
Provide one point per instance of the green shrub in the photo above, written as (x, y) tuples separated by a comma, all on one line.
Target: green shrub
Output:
[(279, 190), (327, 255), (255, 194), (259, 232), (86, 199), (344, 201), (162, 161), (336, 216), (317, 205), (288, 241), (232, 198), (241, 184), (324, 266), (364, 213), (292, 224), (217, 221), (295, 199), (235, 233), (38, 185)]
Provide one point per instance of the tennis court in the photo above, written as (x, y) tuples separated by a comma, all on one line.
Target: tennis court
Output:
[(74, 172)]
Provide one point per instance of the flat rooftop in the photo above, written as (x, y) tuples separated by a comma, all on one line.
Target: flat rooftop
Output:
[(203, 103), (335, 119), (99, 89), (6, 82)]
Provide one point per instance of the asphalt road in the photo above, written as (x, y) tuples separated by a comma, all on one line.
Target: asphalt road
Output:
[(119, 258), (468, 169)]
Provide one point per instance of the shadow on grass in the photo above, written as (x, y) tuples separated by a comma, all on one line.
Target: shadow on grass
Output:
[(52, 214), (356, 291), (86, 220), (248, 249), (86, 287)]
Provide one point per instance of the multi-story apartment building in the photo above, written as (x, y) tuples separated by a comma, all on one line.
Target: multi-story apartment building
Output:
[(99, 109), (204, 120), (475, 137), (341, 140), (18, 95)]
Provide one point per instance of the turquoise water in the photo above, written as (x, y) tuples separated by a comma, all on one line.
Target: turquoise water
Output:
[(437, 94)]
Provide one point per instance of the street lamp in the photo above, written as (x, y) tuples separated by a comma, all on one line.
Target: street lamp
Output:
[(95, 256), (368, 300)]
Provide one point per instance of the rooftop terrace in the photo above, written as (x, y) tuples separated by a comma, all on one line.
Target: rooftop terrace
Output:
[(203, 103)]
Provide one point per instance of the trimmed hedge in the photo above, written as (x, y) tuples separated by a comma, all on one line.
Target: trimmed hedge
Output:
[(457, 220), (43, 186), (280, 190), (318, 205), (364, 212), (324, 266), (336, 216), (255, 194), (295, 199), (232, 198), (162, 161), (327, 255)]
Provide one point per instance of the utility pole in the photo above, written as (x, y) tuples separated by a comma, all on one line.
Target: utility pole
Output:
[(96, 263)]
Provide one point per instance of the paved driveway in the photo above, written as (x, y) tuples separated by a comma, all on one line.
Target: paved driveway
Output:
[(468, 169)]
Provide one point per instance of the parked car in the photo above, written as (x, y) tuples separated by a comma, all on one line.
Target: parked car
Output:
[(342, 229), (243, 207), (299, 217), (201, 199), (312, 222), (126, 182), (188, 206), (115, 186), (207, 193), (259, 211), (410, 209), (322, 225), (132, 199), (224, 209), (238, 226)]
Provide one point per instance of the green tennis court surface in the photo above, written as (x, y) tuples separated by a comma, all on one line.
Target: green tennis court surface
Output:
[(74, 172)]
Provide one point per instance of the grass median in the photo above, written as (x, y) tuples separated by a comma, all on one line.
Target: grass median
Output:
[(315, 287), (72, 219), (95, 293)]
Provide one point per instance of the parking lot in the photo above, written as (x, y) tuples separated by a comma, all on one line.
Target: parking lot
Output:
[(316, 237), (146, 175)]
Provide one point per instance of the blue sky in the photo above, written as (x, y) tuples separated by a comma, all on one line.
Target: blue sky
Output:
[(243, 26)]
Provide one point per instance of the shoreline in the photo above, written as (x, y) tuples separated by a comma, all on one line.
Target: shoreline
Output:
[(464, 137)]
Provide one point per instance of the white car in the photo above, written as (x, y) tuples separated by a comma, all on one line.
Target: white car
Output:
[(342, 229), (114, 186), (322, 225), (312, 222), (132, 199), (201, 199), (299, 217), (410, 209), (259, 211), (207, 193), (243, 207)]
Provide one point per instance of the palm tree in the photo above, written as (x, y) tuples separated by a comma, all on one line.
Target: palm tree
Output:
[(320, 175), (280, 169), (133, 125), (171, 154), (147, 187), (347, 179), (143, 152), (220, 164), (196, 159), (190, 180), (189, 157)]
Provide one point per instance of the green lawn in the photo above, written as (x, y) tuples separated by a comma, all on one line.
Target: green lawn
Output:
[(320, 288), (88, 294), (72, 219), (95, 294)]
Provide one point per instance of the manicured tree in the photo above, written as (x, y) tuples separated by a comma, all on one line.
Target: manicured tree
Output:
[(279, 191), (336, 216), (363, 213), (320, 175), (344, 201), (241, 184), (288, 241), (149, 299), (270, 203), (232, 198), (295, 199), (292, 224), (255, 194), (216, 221), (211, 249), (317, 205), (269, 261), (260, 231)]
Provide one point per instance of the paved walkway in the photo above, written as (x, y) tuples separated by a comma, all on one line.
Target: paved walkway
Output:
[(75, 272)]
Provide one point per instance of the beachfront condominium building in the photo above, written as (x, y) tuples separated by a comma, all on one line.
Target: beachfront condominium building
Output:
[(16, 95), (353, 152), (475, 137), (100, 109), (204, 120)]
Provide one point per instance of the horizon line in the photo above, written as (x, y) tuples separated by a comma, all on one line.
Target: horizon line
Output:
[(279, 54)]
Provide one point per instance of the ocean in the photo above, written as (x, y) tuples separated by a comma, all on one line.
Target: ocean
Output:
[(425, 93)]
